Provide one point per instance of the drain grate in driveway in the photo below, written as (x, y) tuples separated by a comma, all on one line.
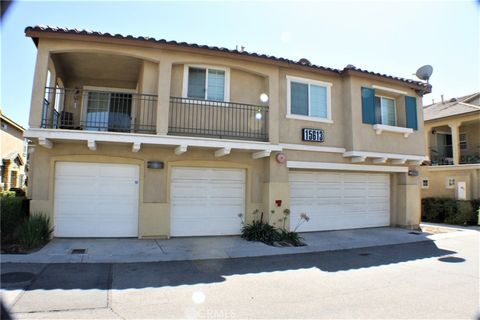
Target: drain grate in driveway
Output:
[(13, 277), (415, 232), (79, 251), (364, 254)]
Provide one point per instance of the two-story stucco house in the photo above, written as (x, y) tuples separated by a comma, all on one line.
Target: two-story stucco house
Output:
[(452, 130), (13, 153), (138, 137)]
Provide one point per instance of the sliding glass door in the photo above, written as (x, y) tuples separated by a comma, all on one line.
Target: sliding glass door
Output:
[(108, 111)]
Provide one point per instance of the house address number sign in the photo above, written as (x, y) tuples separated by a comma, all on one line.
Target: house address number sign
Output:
[(316, 135)]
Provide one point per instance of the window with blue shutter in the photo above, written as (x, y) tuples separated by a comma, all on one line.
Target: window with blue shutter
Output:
[(411, 112), (368, 106)]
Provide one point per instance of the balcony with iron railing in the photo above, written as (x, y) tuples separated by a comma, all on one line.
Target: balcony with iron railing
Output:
[(95, 110), (128, 112), (217, 119)]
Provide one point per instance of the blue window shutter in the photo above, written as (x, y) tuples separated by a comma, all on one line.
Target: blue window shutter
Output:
[(411, 112), (368, 106)]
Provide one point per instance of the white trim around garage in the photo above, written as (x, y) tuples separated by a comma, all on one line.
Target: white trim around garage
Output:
[(343, 166)]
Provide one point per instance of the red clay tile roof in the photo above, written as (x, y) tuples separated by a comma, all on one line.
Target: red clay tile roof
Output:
[(302, 62)]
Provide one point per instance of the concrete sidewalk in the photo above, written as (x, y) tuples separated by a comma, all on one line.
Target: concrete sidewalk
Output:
[(198, 248)]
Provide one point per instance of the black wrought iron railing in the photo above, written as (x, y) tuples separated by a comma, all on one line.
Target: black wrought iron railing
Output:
[(227, 120), (95, 110)]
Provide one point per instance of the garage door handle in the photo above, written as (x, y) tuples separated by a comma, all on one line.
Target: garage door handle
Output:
[(136, 181)]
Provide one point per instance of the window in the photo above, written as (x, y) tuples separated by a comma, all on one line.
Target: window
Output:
[(425, 183), (388, 111), (450, 183), (308, 99), (463, 141), (206, 83)]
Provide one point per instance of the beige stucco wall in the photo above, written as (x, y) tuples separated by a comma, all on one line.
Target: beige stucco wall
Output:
[(11, 140), (364, 138), (438, 178), (154, 205), (267, 181)]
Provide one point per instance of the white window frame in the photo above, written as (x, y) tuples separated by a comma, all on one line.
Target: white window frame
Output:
[(454, 182), (428, 183), (394, 107), (309, 82), (226, 97), (105, 89), (464, 141)]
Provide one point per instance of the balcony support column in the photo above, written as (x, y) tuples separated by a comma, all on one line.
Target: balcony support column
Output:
[(163, 101), (454, 127), (273, 110), (38, 92)]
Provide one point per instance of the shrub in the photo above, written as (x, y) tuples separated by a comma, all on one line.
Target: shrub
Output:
[(451, 211), (460, 214), (7, 194), (260, 231), (19, 192), (35, 231), (291, 237), (14, 211), (476, 211)]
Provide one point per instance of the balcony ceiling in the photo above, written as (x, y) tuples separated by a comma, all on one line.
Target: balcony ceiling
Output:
[(97, 66)]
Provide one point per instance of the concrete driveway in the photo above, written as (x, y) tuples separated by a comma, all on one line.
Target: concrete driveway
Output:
[(175, 249), (420, 280)]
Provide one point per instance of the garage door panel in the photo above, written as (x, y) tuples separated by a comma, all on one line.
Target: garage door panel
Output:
[(96, 200), (111, 190), (335, 200), (112, 171), (206, 201), (75, 169)]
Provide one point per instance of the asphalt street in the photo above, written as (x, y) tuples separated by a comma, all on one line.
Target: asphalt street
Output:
[(424, 280)]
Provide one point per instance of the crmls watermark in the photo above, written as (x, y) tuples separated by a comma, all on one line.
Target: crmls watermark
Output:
[(207, 313)]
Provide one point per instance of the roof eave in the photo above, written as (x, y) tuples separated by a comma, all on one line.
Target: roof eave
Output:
[(425, 88), (69, 34), (454, 116)]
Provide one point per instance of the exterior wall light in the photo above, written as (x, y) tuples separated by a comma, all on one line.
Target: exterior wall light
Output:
[(264, 97), (258, 115)]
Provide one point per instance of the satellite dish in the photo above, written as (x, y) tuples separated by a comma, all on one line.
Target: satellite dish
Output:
[(424, 73)]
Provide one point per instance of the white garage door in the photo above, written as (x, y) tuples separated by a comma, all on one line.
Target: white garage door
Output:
[(339, 200), (96, 200), (207, 201)]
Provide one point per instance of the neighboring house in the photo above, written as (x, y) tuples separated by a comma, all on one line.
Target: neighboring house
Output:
[(13, 153), (452, 130), (139, 137)]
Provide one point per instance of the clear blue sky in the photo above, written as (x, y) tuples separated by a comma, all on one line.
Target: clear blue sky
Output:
[(388, 37)]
